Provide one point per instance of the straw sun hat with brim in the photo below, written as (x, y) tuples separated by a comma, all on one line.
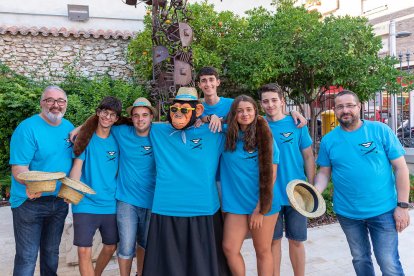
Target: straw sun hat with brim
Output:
[(305, 199), (40, 182), (71, 190), (141, 102)]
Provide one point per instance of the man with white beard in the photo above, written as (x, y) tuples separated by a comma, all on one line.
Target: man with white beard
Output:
[(40, 143)]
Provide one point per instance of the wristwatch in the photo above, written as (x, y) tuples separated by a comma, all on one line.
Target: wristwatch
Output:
[(403, 204)]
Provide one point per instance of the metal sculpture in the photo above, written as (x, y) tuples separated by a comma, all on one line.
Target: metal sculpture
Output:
[(172, 56)]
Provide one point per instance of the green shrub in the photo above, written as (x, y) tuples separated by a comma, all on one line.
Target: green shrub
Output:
[(19, 99)]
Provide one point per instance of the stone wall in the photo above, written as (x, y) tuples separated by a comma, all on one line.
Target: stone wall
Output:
[(48, 57)]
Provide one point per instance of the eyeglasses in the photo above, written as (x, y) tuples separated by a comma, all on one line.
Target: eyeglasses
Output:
[(51, 101), (348, 106), (106, 113), (183, 110)]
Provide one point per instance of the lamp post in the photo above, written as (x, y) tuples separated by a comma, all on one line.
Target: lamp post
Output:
[(393, 52)]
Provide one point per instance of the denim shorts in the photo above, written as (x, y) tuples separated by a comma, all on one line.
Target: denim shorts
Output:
[(133, 224), (294, 223), (85, 226)]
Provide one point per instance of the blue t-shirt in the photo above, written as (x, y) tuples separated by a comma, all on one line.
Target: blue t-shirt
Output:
[(136, 175), (186, 163), (220, 109), (42, 147), (239, 171), (364, 183), (291, 141), (100, 166)]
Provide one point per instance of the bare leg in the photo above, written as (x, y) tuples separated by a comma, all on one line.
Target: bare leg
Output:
[(277, 256), (124, 266), (297, 257), (235, 230), (85, 261), (104, 257), (140, 259), (262, 241)]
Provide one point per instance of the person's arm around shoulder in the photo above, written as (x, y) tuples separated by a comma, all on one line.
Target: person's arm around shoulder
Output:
[(309, 161), (298, 118), (401, 215), (322, 178), (16, 170)]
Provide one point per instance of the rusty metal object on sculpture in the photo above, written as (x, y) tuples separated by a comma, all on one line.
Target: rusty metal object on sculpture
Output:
[(172, 55)]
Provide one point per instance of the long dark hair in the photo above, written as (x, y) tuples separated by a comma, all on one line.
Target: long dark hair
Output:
[(232, 136)]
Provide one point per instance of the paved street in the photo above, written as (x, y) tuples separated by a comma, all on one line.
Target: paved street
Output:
[(327, 252)]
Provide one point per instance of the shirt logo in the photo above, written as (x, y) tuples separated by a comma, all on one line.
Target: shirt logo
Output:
[(68, 143), (146, 150), (368, 147), (251, 155), (111, 155), (287, 137), (196, 143)]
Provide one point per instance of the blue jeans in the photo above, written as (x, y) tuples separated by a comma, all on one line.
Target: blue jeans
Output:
[(384, 239), (133, 225), (294, 223), (38, 224)]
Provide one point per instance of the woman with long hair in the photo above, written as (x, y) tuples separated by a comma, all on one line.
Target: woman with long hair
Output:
[(248, 171)]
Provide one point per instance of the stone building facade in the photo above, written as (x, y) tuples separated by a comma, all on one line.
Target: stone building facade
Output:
[(49, 53)]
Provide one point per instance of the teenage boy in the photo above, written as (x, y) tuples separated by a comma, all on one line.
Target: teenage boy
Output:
[(135, 186), (97, 166), (215, 107), (296, 159)]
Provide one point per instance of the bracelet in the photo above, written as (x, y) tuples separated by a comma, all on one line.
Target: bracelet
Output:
[(208, 118)]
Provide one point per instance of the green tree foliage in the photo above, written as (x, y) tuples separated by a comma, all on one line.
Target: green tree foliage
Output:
[(307, 54), (299, 49), (19, 99)]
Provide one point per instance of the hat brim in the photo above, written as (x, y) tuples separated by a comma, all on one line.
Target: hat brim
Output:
[(77, 185), (305, 198), (40, 176)]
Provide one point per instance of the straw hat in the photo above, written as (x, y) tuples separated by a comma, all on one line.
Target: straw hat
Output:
[(305, 199), (186, 94), (141, 102), (40, 182), (70, 190)]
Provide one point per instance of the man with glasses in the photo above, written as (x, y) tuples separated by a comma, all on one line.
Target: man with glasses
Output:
[(40, 143), (371, 184), (96, 164)]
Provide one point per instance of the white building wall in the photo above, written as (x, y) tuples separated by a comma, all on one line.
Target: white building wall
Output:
[(103, 14)]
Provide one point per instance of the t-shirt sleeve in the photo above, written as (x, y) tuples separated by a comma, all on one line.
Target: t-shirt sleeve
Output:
[(276, 153), (323, 158), (305, 138), (22, 146), (392, 145)]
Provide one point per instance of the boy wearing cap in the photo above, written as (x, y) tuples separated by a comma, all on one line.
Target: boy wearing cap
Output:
[(296, 159), (135, 184), (96, 164)]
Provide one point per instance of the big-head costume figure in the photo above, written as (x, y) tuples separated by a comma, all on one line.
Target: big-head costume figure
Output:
[(185, 235)]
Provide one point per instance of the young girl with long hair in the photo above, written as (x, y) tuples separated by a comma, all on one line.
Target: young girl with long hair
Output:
[(248, 171)]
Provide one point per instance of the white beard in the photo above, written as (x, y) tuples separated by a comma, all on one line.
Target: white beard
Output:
[(54, 118)]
